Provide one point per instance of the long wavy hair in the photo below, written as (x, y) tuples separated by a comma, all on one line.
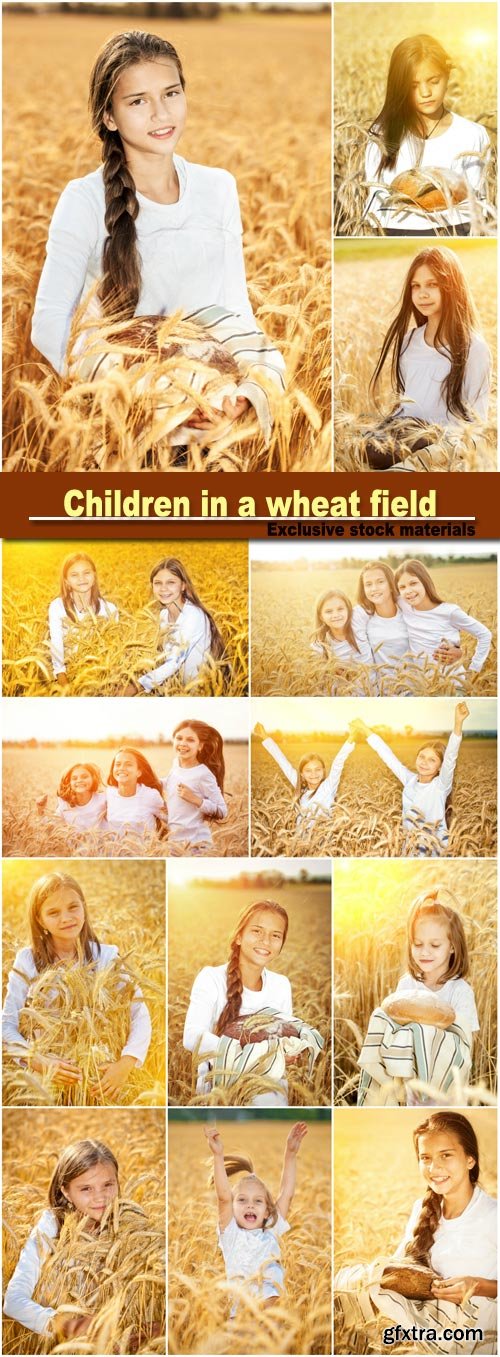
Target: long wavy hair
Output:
[(65, 790), (146, 774), (389, 575), (121, 282), (398, 117), (64, 588), (455, 1124), (322, 631), (41, 942), (421, 573), (457, 324), (234, 983), (212, 748), (171, 563), (428, 905), (76, 1159), (238, 1163)]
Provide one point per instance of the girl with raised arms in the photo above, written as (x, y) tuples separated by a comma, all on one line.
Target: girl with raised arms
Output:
[(314, 789), (79, 601)]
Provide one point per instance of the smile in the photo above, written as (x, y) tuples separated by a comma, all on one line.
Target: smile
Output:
[(162, 132), (250, 1215)]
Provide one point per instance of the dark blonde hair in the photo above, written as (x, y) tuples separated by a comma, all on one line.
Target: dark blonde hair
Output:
[(421, 573), (146, 774), (41, 941), (67, 593), (121, 283), (212, 747), (64, 789), (398, 116), (234, 983), (455, 1124), (321, 633), (301, 784), (429, 906), (389, 575), (237, 1163), (171, 563), (76, 1159)]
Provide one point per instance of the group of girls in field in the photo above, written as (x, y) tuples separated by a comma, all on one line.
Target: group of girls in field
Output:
[(398, 624), (240, 1022), (426, 788), (188, 637), (61, 935), (134, 800)]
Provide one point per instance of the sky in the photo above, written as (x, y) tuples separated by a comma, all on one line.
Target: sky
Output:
[(95, 718), (332, 715), (182, 871), (335, 553)]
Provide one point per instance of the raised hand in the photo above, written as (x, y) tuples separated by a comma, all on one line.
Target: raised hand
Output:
[(259, 731), (295, 1137), (214, 1140)]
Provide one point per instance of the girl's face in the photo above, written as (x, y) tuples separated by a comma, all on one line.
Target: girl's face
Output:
[(62, 915), (81, 783), (148, 108), (431, 949), (426, 293), (262, 938), (335, 614), (167, 588), (80, 577), (428, 88), (126, 770), (312, 774), (377, 588), (187, 746), (428, 764), (413, 590), (443, 1163), (92, 1191), (250, 1205)]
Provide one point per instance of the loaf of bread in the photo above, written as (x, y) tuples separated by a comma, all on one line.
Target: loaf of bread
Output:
[(415, 1006), (430, 190), (409, 1279), (250, 1029)]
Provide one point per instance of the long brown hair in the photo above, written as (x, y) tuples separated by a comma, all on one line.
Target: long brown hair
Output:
[(65, 591), (429, 906), (75, 1160), (171, 563), (146, 774), (421, 573), (234, 982), (322, 631), (212, 748), (389, 575), (398, 117), (121, 283), (301, 783), (420, 1246), (457, 323), (41, 942), (238, 1163), (65, 790)]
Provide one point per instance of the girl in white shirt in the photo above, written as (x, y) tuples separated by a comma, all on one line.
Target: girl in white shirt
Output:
[(194, 787), (425, 791), (250, 1220), (431, 621), (134, 796), (190, 636), (452, 1232), (335, 637), (79, 600), (441, 365), (81, 800), (382, 617), (62, 936), (314, 789), (413, 1034), (421, 152), (151, 234)]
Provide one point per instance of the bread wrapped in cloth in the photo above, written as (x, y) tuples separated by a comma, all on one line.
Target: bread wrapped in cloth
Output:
[(409, 1279), (432, 190), (256, 1027), (417, 1006)]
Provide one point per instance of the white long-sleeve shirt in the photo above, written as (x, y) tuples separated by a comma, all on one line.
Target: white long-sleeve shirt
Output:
[(387, 636), (83, 817), (317, 804), (185, 820), (190, 252), (461, 148), (18, 1303), (59, 622), (423, 800), (424, 369), (138, 812), (428, 627), (18, 988), (209, 997), (186, 646)]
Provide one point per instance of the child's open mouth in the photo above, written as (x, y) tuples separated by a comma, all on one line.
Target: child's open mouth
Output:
[(250, 1216)]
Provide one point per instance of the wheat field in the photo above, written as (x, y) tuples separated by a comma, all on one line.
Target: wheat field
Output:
[(104, 657), (198, 1291), (192, 945), (371, 909), (29, 772), (32, 1142), (283, 620), (364, 312), (260, 69), (126, 906)]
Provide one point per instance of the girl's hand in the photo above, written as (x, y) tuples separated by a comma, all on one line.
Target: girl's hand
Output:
[(462, 711), (214, 1140), (188, 795), (295, 1137), (454, 1288), (70, 1326), (62, 681), (63, 1072), (447, 653), (358, 729), (112, 1077), (41, 803), (235, 409), (259, 731), (131, 690)]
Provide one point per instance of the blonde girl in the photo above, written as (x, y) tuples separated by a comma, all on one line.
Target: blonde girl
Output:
[(81, 800), (251, 1222), (424, 1030), (452, 1235), (424, 164), (189, 634), (335, 636), (79, 600), (314, 789), (427, 789), (134, 795), (194, 787), (432, 622), (62, 936)]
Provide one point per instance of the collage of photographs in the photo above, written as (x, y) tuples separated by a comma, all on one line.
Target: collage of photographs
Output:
[(249, 787)]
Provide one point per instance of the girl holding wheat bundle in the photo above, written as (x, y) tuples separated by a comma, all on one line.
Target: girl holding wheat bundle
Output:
[(240, 1016), (79, 601), (442, 1277), (189, 634), (62, 941), (148, 235)]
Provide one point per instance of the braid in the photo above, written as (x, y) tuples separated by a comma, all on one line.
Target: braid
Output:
[(234, 991), (423, 1235), (120, 259)]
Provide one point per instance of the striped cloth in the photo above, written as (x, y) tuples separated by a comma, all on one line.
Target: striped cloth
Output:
[(362, 1307), (415, 1050), (232, 1061)]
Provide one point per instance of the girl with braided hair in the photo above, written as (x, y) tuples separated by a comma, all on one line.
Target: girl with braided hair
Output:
[(150, 235), (194, 787)]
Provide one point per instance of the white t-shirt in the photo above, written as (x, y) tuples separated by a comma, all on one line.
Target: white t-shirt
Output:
[(250, 1252), (387, 636), (460, 148), (139, 811), (209, 997), (83, 817), (457, 993), (319, 803), (190, 251), (186, 821), (424, 369), (423, 801), (428, 627), (465, 1246), (59, 623), (186, 647), (18, 1303)]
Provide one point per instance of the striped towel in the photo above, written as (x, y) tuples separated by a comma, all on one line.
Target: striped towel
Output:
[(232, 1061), (361, 1306), (409, 1051)]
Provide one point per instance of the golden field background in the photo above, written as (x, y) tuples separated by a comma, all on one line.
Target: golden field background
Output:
[(372, 904), (259, 104), (199, 1293), (126, 906), (109, 655), (283, 619), (28, 773), (32, 1143), (193, 945)]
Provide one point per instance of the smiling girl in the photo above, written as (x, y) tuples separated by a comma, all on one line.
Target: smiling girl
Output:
[(134, 796), (81, 800), (335, 637), (189, 635), (432, 622), (194, 787), (79, 601), (314, 789)]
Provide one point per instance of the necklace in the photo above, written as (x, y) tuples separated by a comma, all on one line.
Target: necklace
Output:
[(434, 125)]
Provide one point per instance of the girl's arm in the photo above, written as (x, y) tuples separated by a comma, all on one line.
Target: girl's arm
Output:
[(140, 1031), (477, 378), (399, 769), (18, 1303), (73, 233), (191, 646), (56, 635), (377, 197), (221, 1180), (280, 758), (200, 1015), (464, 622), (333, 778), (448, 765), (15, 999), (289, 1174)]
